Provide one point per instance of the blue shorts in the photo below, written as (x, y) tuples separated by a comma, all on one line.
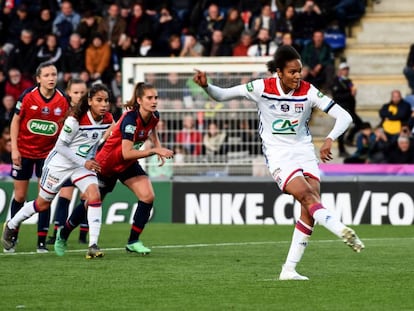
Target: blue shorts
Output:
[(107, 184), (25, 172)]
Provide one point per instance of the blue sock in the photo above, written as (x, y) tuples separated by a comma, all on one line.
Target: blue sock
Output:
[(141, 217)]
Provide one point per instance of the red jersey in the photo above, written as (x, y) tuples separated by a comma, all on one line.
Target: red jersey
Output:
[(41, 120), (132, 127)]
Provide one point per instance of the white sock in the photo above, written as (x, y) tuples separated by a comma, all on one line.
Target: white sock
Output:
[(300, 239), (94, 220), (327, 219), (24, 213)]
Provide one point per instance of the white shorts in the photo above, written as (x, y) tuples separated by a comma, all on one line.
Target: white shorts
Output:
[(285, 163), (52, 180)]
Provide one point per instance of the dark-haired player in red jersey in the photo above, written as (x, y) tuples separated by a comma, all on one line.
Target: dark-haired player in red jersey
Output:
[(118, 160), (38, 119)]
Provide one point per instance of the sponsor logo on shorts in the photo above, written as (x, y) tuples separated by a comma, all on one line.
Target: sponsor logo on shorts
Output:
[(42, 127), (284, 126)]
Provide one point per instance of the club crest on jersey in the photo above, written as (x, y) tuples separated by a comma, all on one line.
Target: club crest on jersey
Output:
[(249, 87), (141, 133), (284, 126), (57, 111), (299, 108), (45, 110), (284, 107)]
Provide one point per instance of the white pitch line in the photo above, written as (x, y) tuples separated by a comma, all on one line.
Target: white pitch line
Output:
[(202, 245)]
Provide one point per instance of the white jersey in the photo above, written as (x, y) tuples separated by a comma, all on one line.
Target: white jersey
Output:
[(80, 138), (284, 124), (284, 118)]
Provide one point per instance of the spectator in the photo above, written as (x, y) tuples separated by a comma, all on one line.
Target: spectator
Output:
[(309, 19), (167, 24), (188, 137), (165, 135), (113, 26), (116, 84), (286, 21), (264, 45), (183, 9), (348, 11), (233, 27), (5, 146), (364, 143), (379, 147), (173, 48), (265, 20), (65, 23), (318, 62), (73, 61), (216, 46), (88, 26), (214, 142), (16, 83), (42, 25), (139, 25), (51, 52), (409, 69), (241, 48), (97, 59), (394, 115), (401, 151), (23, 55), (147, 47), (173, 87), (213, 20), (251, 7), (6, 111), (287, 39), (344, 92), (19, 20), (191, 46)]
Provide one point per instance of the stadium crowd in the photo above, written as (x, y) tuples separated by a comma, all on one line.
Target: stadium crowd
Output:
[(88, 39)]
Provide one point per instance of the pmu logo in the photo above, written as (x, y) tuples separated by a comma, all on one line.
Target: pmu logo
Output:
[(284, 127), (42, 127)]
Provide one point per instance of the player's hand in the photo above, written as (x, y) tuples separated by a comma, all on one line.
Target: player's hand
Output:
[(16, 159), (92, 165), (325, 152), (200, 77)]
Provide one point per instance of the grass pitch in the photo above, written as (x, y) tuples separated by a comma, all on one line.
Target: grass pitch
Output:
[(206, 267)]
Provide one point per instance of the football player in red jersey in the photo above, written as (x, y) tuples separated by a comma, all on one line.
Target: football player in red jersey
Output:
[(73, 158), (118, 160), (39, 116)]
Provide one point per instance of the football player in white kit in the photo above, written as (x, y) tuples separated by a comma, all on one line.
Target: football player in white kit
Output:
[(285, 104), (73, 158)]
